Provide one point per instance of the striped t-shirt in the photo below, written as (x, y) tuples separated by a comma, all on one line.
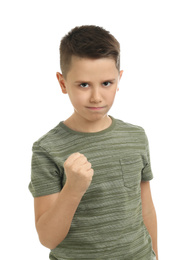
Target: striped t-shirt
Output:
[(108, 222)]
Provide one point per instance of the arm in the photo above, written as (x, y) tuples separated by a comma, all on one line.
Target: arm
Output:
[(54, 213), (149, 214)]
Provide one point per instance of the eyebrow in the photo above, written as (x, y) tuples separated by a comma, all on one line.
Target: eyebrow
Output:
[(85, 81)]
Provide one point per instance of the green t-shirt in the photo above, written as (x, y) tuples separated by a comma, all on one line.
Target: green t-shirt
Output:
[(108, 222)]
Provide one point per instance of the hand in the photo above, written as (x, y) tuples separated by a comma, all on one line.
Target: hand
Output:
[(78, 173)]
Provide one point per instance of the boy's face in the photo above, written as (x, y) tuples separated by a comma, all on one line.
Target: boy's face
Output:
[(91, 85)]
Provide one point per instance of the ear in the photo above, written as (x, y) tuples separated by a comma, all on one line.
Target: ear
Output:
[(120, 75), (61, 81)]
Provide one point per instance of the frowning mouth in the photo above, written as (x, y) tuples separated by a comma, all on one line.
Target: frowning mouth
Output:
[(95, 108)]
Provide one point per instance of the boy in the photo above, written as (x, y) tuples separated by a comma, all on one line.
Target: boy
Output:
[(90, 174)]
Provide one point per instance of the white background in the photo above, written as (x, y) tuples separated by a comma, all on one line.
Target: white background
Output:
[(154, 38)]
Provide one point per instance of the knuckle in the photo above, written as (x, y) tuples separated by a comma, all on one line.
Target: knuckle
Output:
[(92, 172), (74, 168)]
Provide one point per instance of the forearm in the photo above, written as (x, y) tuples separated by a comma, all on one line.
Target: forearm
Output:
[(150, 221), (53, 226)]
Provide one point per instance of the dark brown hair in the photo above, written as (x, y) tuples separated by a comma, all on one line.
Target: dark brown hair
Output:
[(88, 41)]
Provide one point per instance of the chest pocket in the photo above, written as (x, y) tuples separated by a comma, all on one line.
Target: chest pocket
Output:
[(131, 170)]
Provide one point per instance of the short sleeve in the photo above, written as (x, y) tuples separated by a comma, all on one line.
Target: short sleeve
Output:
[(45, 175), (147, 174)]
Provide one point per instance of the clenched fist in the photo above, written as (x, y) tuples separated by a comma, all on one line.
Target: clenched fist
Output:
[(78, 173)]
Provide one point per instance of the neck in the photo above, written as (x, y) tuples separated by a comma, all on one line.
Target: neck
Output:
[(80, 124)]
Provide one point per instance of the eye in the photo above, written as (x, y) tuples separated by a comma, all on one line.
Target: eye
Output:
[(107, 83), (84, 85)]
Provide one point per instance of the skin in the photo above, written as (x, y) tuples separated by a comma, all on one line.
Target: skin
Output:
[(149, 214), (91, 86), (90, 83)]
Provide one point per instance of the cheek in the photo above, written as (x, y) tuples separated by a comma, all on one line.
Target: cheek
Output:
[(110, 95), (77, 98)]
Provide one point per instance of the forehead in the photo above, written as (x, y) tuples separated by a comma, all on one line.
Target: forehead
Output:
[(87, 67)]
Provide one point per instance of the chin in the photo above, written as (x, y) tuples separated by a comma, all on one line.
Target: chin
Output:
[(96, 117)]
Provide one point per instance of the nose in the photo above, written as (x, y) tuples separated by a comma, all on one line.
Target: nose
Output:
[(95, 96)]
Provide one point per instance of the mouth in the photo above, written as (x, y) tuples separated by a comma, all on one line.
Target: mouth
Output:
[(95, 108)]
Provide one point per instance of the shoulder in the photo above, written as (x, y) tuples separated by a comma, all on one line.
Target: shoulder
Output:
[(128, 126), (49, 139), (130, 131)]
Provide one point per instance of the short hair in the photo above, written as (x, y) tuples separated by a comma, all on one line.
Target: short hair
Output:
[(88, 41)]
